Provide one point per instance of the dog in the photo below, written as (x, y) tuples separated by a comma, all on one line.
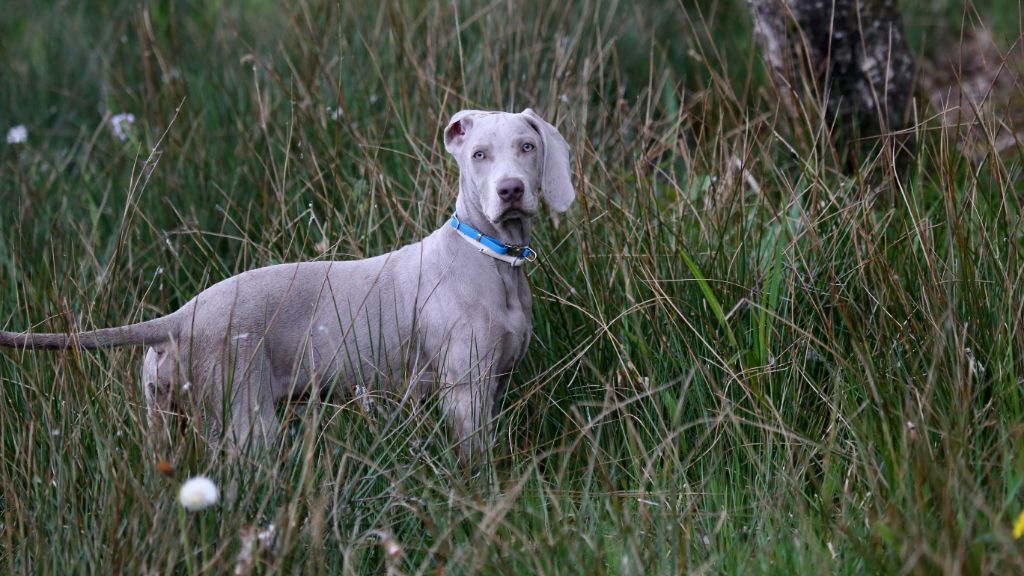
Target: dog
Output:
[(451, 313)]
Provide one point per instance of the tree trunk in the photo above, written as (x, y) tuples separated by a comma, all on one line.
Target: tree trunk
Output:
[(848, 58)]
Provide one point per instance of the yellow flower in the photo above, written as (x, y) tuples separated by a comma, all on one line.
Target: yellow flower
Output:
[(1018, 527)]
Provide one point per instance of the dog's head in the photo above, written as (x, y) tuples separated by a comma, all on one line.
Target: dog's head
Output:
[(508, 161)]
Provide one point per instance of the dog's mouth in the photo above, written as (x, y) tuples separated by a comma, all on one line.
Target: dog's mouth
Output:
[(513, 214)]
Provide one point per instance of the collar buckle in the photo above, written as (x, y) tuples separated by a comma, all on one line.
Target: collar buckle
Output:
[(517, 251)]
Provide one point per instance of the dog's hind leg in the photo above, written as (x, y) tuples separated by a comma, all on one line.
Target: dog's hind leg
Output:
[(159, 380), (248, 394)]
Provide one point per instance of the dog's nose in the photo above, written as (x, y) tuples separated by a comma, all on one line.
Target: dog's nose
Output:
[(510, 190)]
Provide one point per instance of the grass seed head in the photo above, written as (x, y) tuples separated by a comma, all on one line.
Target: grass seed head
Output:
[(198, 493)]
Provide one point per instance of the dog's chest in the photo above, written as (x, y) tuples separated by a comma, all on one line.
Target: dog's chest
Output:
[(518, 315)]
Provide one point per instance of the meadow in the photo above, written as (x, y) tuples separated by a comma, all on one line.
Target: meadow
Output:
[(746, 358)]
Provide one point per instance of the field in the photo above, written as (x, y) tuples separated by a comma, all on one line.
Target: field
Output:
[(746, 359)]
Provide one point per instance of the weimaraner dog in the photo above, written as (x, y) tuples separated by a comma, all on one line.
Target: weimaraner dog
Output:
[(451, 311)]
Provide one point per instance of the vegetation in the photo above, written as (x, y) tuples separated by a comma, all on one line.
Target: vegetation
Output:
[(744, 359)]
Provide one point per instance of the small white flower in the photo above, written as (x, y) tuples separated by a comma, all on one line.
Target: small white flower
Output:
[(364, 398), (253, 545), (17, 134), (973, 365), (334, 113), (122, 125), (267, 535), (198, 493), (391, 548)]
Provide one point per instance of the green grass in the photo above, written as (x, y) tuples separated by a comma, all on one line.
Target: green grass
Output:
[(744, 361)]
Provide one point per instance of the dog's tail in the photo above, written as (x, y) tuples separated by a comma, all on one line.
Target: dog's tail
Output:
[(144, 333)]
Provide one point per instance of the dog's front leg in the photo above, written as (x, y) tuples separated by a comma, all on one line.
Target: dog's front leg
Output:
[(468, 386), (468, 406)]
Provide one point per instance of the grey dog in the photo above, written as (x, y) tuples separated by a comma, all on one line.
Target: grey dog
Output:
[(451, 312)]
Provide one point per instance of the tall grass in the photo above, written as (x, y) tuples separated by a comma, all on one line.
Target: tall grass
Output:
[(744, 360)]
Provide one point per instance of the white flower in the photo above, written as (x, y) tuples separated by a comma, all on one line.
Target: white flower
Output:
[(364, 398), (122, 125), (266, 536), (198, 493), (392, 549), (17, 134), (249, 537)]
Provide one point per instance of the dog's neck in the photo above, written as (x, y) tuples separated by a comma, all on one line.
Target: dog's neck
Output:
[(515, 231), (513, 278)]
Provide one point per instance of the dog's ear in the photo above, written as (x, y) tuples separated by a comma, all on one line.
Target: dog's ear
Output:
[(458, 127), (557, 177)]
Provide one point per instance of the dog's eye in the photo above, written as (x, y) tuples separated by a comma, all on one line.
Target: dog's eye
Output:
[(527, 147), (479, 155)]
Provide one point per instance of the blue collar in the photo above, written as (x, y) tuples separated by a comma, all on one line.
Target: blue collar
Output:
[(491, 246)]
